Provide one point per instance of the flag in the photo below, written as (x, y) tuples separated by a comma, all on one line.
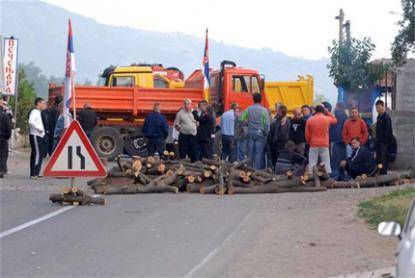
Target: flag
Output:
[(69, 72), (205, 71)]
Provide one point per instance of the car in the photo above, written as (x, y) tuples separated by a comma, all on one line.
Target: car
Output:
[(405, 254)]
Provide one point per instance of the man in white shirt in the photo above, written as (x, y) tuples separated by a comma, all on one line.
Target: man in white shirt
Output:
[(37, 132)]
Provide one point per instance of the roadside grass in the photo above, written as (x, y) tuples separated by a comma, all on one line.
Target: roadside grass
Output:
[(389, 207)]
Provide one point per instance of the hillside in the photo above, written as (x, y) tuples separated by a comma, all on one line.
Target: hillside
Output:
[(42, 30)]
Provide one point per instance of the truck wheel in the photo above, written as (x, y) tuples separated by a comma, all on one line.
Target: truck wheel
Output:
[(136, 145), (107, 142)]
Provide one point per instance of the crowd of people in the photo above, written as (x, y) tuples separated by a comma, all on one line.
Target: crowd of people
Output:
[(339, 140), (46, 126)]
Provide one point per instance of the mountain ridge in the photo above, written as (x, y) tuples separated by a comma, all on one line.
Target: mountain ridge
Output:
[(42, 32)]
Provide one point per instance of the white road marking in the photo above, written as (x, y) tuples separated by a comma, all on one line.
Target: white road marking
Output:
[(215, 251), (34, 222)]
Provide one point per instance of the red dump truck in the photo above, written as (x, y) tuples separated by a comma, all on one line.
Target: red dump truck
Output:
[(126, 99)]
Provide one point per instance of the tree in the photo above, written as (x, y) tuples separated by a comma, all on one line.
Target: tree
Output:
[(404, 42), (319, 98), (350, 65), (26, 97)]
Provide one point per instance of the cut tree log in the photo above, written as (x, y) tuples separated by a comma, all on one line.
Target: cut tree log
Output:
[(271, 188), (208, 189), (83, 200)]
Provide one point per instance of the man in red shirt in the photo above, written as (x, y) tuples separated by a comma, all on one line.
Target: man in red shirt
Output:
[(317, 136), (354, 127)]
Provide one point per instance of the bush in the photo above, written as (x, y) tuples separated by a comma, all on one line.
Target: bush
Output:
[(390, 207)]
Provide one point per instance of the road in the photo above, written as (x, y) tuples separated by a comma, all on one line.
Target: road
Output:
[(185, 235)]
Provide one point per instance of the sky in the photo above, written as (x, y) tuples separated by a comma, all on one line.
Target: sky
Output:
[(301, 28)]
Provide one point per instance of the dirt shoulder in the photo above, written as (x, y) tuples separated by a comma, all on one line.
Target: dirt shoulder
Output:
[(316, 235)]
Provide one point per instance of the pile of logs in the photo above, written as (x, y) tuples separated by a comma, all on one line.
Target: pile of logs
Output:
[(169, 174), (73, 196)]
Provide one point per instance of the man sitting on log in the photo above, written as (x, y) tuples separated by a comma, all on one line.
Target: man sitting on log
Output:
[(360, 162)]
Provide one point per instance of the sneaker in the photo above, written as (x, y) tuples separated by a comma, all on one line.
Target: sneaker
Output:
[(33, 177)]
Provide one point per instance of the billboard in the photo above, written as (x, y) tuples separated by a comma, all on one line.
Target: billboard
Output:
[(9, 66)]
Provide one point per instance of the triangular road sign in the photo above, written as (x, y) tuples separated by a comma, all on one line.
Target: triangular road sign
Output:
[(74, 156)]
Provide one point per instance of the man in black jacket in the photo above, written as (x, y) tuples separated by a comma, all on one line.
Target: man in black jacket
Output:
[(88, 120), (53, 115), (204, 130), (5, 134), (384, 136), (297, 132), (360, 162)]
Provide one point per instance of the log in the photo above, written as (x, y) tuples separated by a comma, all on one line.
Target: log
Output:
[(270, 188), (208, 189), (193, 187), (143, 179), (82, 200), (229, 184), (236, 183), (368, 182)]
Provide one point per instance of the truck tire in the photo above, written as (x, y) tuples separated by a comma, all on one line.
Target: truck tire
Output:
[(136, 145), (107, 142)]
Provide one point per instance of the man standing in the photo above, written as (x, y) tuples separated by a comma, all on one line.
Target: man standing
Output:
[(317, 136), (258, 128), (186, 125), (297, 131), (227, 127), (279, 134), (156, 130), (37, 132), (204, 130), (5, 134), (53, 118), (306, 110), (384, 136), (354, 127), (60, 124), (241, 136), (338, 147), (88, 120), (360, 162)]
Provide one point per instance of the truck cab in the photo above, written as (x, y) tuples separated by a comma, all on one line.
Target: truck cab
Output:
[(142, 76), (234, 84)]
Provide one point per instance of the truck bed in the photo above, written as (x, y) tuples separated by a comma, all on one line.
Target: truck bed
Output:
[(130, 102)]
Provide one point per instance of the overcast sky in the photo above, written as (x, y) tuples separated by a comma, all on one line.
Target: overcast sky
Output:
[(301, 28)]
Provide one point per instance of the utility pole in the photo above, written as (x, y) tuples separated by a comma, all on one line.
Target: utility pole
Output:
[(340, 18), (348, 35)]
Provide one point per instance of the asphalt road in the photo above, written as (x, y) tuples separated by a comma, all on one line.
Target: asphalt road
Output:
[(184, 235), (134, 235)]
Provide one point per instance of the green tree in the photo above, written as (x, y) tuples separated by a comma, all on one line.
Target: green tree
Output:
[(350, 65), (404, 42), (26, 97), (319, 98)]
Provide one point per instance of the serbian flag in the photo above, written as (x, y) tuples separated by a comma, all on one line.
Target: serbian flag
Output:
[(205, 71), (69, 72)]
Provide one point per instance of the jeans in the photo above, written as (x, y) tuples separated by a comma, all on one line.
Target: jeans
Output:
[(338, 153), (349, 151), (204, 149), (314, 154), (256, 148), (155, 144), (228, 148), (242, 148), (187, 146)]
